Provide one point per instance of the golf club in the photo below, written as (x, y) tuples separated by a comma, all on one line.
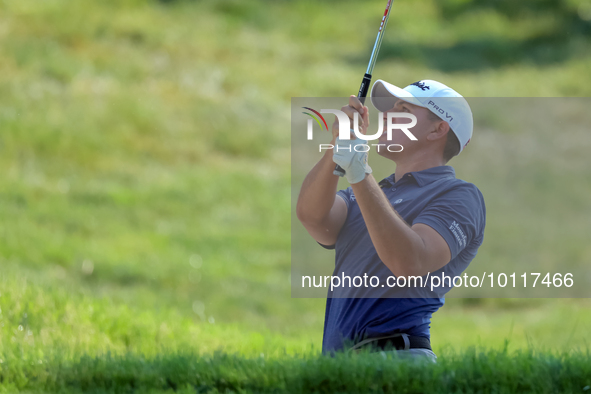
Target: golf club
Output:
[(372, 61)]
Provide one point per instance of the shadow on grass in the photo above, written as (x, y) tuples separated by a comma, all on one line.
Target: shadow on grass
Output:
[(488, 53), (569, 38)]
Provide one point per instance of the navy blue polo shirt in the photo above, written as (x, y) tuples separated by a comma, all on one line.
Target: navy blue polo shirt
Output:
[(435, 197)]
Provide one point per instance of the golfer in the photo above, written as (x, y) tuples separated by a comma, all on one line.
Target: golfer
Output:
[(419, 221)]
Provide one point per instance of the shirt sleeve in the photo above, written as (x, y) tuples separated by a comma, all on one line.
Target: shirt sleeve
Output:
[(458, 216), (346, 194)]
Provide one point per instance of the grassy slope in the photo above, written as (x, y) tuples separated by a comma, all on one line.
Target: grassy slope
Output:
[(141, 201)]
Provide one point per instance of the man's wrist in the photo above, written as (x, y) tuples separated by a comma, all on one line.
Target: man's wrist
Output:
[(358, 182)]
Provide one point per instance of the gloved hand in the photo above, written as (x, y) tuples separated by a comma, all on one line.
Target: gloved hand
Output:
[(354, 163)]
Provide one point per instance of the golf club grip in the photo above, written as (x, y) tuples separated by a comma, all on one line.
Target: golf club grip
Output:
[(338, 170), (364, 87)]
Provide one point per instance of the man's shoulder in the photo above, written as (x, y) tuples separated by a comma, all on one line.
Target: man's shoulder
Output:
[(459, 194), (459, 207), (469, 196), (462, 188)]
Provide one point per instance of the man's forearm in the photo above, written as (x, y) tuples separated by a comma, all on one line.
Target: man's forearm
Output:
[(399, 247), (318, 190)]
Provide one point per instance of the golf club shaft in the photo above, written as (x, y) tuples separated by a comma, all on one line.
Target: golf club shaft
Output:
[(363, 89)]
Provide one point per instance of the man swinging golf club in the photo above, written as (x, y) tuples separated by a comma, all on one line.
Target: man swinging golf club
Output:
[(419, 221)]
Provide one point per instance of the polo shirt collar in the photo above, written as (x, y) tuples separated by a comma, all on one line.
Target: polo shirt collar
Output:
[(430, 175)]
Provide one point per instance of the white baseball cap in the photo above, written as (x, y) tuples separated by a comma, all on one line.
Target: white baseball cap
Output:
[(442, 100)]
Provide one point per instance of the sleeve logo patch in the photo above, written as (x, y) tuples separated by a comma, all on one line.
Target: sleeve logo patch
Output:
[(458, 233)]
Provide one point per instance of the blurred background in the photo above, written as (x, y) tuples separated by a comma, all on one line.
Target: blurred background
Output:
[(145, 160)]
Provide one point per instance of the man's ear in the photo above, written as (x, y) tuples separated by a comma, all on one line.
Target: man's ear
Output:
[(440, 131)]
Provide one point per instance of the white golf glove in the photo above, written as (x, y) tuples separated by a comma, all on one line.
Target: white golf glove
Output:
[(354, 163)]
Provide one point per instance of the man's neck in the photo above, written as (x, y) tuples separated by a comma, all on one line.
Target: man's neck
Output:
[(416, 164)]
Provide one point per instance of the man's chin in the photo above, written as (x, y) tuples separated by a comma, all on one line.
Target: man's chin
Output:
[(389, 155), (394, 151)]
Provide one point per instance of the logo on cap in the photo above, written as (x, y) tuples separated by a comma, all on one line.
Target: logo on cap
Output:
[(421, 85)]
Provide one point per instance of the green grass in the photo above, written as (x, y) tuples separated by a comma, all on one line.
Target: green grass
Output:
[(475, 370), (145, 191)]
